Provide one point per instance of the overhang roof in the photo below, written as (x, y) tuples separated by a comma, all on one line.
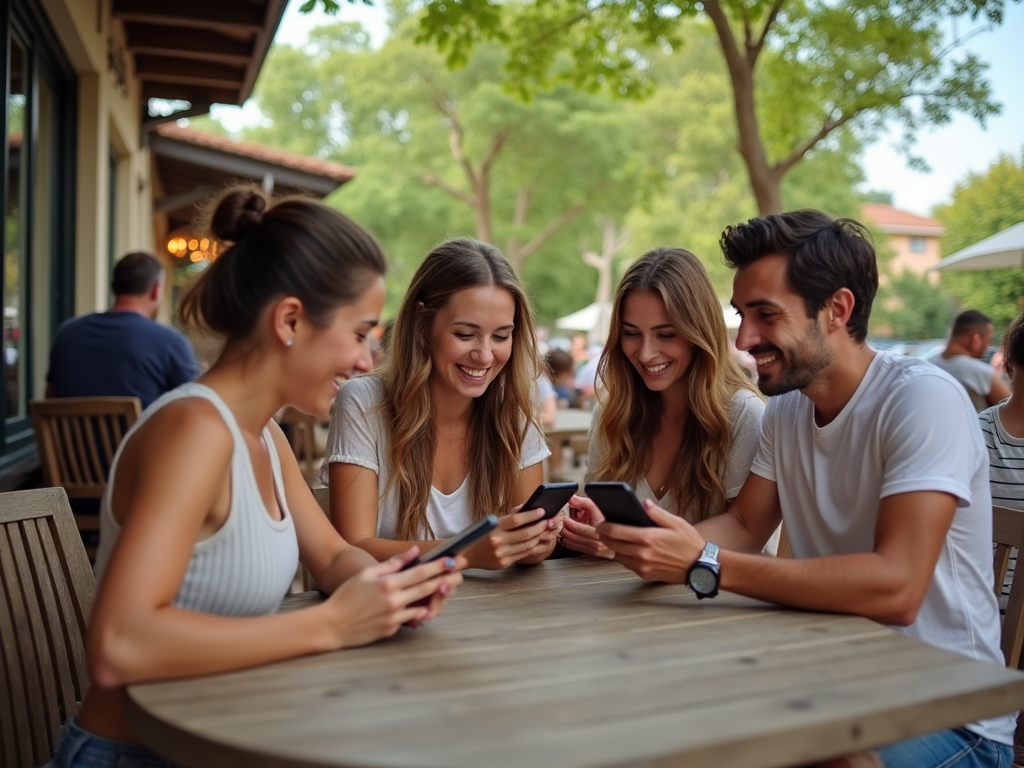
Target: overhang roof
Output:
[(200, 51), (193, 166)]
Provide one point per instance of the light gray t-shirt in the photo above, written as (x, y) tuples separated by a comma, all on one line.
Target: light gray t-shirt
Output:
[(908, 427), (974, 375), (745, 412), (358, 436)]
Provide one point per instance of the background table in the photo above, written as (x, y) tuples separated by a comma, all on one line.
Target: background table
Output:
[(579, 663), (570, 424)]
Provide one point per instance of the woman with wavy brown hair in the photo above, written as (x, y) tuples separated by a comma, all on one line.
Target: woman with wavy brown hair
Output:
[(677, 418), (443, 432)]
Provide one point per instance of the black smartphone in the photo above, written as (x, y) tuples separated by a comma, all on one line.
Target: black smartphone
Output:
[(550, 497), (618, 504), (459, 542)]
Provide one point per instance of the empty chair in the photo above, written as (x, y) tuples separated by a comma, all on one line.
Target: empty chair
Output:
[(1007, 533), (77, 439), (301, 427), (46, 594)]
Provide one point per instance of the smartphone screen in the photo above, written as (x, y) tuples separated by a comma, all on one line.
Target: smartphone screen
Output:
[(619, 504), (550, 497), (461, 541)]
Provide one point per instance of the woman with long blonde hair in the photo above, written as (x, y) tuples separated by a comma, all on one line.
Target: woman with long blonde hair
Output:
[(678, 419), (443, 432)]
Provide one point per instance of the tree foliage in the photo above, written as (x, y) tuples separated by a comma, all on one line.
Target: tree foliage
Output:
[(910, 307), (984, 204), (799, 71), (663, 168)]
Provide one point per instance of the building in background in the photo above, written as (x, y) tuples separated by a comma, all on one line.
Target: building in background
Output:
[(87, 83), (914, 240)]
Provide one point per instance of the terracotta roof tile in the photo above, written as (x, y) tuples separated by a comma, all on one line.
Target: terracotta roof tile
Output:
[(885, 218), (335, 171)]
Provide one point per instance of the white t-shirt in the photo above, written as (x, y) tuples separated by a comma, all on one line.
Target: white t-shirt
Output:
[(908, 427), (358, 436), (974, 375), (745, 412)]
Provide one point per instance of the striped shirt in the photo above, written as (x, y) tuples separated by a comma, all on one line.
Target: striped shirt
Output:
[(1006, 460), (1006, 476)]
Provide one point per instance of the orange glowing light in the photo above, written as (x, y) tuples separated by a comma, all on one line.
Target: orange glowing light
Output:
[(195, 257)]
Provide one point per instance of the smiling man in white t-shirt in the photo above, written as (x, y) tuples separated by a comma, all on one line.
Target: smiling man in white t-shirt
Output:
[(874, 461)]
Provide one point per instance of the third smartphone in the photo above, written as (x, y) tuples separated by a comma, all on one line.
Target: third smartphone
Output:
[(618, 504)]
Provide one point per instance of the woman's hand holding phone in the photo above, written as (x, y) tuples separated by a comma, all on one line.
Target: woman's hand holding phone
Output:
[(380, 599), (580, 529), (521, 536)]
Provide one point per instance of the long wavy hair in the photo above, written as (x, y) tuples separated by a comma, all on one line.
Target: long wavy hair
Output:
[(631, 413), (499, 418)]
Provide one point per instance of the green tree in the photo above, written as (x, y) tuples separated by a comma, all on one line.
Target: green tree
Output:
[(984, 204), (442, 153), (910, 307), (799, 71)]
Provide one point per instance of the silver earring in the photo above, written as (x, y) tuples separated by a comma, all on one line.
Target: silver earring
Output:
[(289, 342)]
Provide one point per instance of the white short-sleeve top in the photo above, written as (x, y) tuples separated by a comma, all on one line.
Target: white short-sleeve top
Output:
[(358, 436)]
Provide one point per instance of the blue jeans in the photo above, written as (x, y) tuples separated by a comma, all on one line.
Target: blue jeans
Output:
[(958, 748), (78, 748)]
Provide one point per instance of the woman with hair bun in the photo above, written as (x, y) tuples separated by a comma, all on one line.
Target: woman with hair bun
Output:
[(678, 418), (444, 432), (206, 513)]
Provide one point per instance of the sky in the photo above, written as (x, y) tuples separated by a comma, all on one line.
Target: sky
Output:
[(951, 151)]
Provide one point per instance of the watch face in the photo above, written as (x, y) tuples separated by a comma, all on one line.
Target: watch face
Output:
[(703, 580)]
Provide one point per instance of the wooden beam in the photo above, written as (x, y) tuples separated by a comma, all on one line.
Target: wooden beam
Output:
[(192, 13), (183, 199), (274, 14), (195, 94), (173, 70), (186, 42)]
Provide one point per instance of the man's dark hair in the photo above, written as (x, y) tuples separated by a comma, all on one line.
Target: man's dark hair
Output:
[(825, 254), (970, 322), (1013, 344), (135, 274)]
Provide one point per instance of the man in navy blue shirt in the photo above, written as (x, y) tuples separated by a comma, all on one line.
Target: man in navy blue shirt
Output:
[(123, 351)]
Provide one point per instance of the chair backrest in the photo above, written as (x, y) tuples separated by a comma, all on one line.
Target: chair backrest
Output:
[(302, 439), (78, 437), (46, 594), (1007, 533)]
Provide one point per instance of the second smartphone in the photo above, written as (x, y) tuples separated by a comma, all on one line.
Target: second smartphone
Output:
[(550, 497), (618, 504)]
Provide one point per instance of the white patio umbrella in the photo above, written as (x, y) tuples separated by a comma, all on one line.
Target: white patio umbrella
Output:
[(1000, 251)]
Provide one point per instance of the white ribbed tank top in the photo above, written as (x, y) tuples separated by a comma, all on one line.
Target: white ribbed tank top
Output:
[(246, 566)]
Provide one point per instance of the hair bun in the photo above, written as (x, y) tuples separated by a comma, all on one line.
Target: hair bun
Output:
[(238, 212)]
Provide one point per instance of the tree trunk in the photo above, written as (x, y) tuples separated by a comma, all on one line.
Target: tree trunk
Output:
[(765, 181)]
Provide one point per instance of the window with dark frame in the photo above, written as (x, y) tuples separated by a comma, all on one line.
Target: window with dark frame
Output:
[(37, 168)]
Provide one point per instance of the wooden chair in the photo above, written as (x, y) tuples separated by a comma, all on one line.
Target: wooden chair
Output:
[(46, 594), (77, 439), (1007, 533), (301, 426)]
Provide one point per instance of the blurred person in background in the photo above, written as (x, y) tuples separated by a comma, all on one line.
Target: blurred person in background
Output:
[(562, 369), (122, 352), (964, 359)]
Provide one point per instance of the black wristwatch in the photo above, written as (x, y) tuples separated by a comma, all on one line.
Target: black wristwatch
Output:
[(703, 575)]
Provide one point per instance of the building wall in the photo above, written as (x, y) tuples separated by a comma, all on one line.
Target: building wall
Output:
[(905, 260), (109, 109)]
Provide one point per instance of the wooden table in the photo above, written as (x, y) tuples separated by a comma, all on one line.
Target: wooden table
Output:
[(569, 423), (579, 663)]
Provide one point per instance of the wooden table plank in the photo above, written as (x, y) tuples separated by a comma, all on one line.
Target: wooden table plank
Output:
[(578, 663)]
